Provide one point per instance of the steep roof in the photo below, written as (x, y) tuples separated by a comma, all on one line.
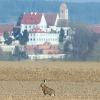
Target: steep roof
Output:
[(62, 23), (63, 5), (35, 18), (50, 18), (94, 28), (31, 18), (6, 28)]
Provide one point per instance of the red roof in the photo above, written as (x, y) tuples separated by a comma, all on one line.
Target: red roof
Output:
[(46, 48), (50, 18), (30, 48), (35, 18), (31, 18), (94, 28), (6, 28)]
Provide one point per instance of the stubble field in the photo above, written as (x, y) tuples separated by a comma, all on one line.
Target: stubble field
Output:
[(70, 80)]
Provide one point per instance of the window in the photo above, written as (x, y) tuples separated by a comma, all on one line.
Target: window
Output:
[(26, 26), (67, 32), (29, 26), (30, 39)]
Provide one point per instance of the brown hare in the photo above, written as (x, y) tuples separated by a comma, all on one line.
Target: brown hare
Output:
[(46, 90)]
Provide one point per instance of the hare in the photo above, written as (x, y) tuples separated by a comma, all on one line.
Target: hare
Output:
[(46, 90)]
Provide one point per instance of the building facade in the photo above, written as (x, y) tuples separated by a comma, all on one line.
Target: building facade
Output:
[(41, 38), (45, 27)]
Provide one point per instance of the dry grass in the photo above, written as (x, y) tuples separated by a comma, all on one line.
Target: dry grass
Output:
[(10, 97), (70, 80), (58, 71)]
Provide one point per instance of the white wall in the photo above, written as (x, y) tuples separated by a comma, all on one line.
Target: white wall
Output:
[(41, 38), (7, 48), (43, 23), (29, 27), (2, 40), (46, 56), (56, 19)]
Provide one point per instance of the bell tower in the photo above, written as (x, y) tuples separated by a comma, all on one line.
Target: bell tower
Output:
[(63, 11)]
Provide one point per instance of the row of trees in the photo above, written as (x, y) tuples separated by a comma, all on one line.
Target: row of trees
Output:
[(84, 43), (64, 42), (21, 37)]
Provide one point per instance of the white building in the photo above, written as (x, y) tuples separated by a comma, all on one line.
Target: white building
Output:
[(7, 48), (41, 38), (45, 27), (47, 56)]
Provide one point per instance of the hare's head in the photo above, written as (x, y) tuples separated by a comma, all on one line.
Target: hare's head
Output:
[(42, 85)]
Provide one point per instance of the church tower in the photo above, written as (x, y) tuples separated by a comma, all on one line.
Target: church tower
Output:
[(63, 11)]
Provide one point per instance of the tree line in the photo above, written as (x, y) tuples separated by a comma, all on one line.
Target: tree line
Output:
[(84, 43)]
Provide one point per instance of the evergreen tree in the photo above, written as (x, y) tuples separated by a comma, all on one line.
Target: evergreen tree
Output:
[(6, 35), (67, 47), (16, 33), (17, 52), (61, 36), (24, 38), (8, 41)]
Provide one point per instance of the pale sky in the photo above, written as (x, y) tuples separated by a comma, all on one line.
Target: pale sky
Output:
[(83, 0), (79, 0)]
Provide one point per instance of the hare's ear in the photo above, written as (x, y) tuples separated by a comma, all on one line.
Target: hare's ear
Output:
[(45, 81)]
